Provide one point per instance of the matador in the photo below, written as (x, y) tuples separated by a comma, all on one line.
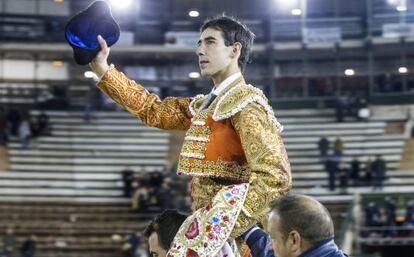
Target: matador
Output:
[(232, 135)]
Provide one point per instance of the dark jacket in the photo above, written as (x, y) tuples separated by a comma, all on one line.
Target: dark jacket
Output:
[(259, 243)]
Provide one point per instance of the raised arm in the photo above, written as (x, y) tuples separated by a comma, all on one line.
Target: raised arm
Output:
[(172, 113)]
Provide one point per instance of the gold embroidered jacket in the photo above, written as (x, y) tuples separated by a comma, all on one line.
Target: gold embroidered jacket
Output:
[(235, 140)]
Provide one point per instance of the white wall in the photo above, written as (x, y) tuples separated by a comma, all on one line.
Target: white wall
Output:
[(27, 70), (46, 7)]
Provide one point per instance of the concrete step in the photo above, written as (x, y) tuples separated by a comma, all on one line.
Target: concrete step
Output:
[(407, 159)]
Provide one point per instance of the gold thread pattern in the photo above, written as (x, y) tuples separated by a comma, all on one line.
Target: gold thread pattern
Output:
[(172, 113)]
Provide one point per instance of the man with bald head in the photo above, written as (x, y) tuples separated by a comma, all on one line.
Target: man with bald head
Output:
[(298, 225)]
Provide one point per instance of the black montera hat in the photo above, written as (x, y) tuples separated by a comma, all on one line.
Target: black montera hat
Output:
[(82, 30)]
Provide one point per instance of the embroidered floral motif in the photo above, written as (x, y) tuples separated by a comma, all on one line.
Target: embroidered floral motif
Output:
[(208, 228), (215, 219), (190, 253), (217, 228), (192, 231), (216, 225)]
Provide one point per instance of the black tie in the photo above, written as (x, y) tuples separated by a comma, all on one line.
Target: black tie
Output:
[(208, 101)]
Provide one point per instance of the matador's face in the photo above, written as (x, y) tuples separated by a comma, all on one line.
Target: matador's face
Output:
[(214, 56)]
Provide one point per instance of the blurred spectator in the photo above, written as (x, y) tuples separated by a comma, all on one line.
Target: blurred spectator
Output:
[(25, 132), (339, 109), (43, 99), (156, 179), (43, 124), (412, 132), (14, 119), (372, 216), (131, 245), (368, 171), (153, 196), (343, 179), (331, 166), (391, 213), (87, 113), (409, 218), (127, 179), (140, 199), (34, 128), (28, 248), (164, 194), (323, 145), (355, 170), (3, 128), (8, 243), (338, 148), (379, 170)]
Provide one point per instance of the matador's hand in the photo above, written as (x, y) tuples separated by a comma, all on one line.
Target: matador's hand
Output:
[(99, 65)]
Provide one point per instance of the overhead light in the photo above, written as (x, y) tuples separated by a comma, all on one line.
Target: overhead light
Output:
[(349, 72), (121, 4), (58, 1), (296, 12), (402, 70), (287, 4), (57, 63), (194, 75), (393, 2), (193, 13), (402, 8)]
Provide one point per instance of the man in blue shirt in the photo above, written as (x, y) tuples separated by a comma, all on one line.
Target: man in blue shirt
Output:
[(298, 226)]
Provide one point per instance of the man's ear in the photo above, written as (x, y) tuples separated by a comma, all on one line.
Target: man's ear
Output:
[(237, 48), (295, 241)]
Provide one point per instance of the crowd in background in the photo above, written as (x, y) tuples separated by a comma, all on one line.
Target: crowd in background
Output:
[(8, 246), (373, 173), (156, 190), (22, 125), (388, 218)]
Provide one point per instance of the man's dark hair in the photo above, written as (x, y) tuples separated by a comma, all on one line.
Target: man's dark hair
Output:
[(305, 215), (233, 31), (166, 225)]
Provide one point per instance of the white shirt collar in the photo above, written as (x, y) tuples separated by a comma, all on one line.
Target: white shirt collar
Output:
[(225, 83)]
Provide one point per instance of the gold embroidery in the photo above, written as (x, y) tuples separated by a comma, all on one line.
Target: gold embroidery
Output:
[(199, 131), (214, 168), (193, 149), (172, 113), (237, 97), (267, 161)]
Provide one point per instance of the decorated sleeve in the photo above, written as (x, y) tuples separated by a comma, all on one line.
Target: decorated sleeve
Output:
[(172, 113), (267, 159)]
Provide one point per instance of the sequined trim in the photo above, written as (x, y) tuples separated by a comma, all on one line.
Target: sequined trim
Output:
[(195, 99), (193, 149), (199, 123), (217, 168), (199, 139), (199, 131), (257, 97)]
